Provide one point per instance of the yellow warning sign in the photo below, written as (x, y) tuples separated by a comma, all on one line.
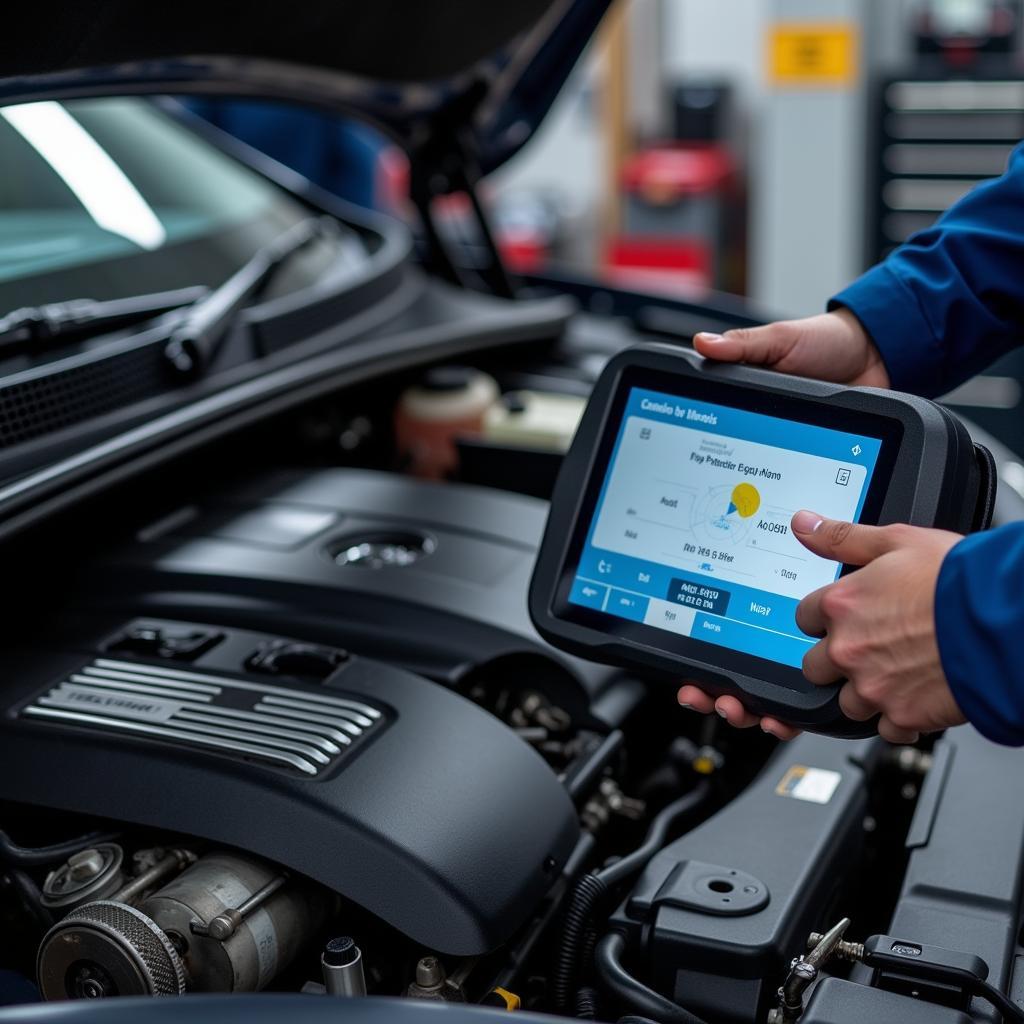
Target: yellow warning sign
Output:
[(812, 54)]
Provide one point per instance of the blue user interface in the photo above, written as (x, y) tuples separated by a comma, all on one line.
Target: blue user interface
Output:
[(691, 533)]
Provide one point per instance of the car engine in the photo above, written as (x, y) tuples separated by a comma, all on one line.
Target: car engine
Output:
[(295, 733)]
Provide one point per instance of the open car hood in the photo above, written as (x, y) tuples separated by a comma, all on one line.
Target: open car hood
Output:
[(414, 67)]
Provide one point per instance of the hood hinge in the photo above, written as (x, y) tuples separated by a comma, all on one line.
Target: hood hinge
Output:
[(444, 162)]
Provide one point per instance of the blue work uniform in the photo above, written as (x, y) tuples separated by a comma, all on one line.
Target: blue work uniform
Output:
[(942, 307), (336, 153)]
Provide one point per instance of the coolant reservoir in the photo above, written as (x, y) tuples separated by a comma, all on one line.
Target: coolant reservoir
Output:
[(534, 419), (450, 402)]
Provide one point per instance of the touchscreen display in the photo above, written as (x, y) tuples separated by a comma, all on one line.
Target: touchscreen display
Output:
[(691, 531)]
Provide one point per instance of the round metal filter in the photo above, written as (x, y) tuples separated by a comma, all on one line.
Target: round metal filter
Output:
[(87, 875), (108, 949), (382, 549)]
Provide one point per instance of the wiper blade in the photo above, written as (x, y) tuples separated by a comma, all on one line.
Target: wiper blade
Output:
[(196, 340), (207, 314), (32, 326)]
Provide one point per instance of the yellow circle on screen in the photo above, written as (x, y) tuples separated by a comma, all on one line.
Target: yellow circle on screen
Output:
[(745, 500)]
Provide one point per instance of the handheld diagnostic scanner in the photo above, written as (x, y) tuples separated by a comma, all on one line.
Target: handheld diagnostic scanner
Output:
[(668, 548)]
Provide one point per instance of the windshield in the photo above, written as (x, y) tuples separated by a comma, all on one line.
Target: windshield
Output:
[(112, 197)]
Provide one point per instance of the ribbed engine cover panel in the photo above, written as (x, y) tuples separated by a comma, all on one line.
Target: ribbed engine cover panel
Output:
[(389, 789), (290, 728)]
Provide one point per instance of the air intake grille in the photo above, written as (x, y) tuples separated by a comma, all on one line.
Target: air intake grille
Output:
[(52, 401), (293, 729)]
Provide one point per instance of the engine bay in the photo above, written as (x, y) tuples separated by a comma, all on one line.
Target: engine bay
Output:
[(277, 731), (276, 719)]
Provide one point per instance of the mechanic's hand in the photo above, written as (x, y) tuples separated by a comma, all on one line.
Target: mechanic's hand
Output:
[(693, 697), (832, 347), (878, 624), (878, 630)]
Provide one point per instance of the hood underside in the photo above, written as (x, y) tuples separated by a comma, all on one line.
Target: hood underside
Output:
[(387, 40), (407, 65)]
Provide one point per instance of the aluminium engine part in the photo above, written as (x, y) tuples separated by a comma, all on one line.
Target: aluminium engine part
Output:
[(429, 980), (152, 867), (92, 874), (106, 949), (342, 965), (432, 982), (236, 920)]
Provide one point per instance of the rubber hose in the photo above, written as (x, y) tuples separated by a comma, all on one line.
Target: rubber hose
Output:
[(592, 887), (588, 890), (586, 1004), (1009, 1009), (655, 838), (632, 992), (586, 958), (32, 857), (28, 893)]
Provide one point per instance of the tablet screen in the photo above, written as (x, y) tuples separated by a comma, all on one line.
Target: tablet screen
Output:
[(691, 530)]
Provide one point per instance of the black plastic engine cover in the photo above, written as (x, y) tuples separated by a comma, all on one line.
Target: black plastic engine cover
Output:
[(722, 910), (433, 814), (259, 556), (963, 884), (835, 1001)]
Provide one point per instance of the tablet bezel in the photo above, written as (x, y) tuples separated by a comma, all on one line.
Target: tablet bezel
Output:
[(887, 430)]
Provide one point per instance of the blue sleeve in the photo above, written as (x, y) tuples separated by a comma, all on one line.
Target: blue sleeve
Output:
[(950, 300), (979, 621)]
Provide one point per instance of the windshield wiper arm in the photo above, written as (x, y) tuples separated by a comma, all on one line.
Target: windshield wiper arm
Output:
[(207, 314), (32, 326), (196, 340)]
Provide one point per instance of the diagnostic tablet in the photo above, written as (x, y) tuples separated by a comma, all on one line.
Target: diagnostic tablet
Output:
[(669, 548)]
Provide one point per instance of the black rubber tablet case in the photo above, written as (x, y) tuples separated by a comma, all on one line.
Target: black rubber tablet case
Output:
[(940, 478)]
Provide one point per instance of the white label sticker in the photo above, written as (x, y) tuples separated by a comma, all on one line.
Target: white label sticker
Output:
[(815, 785)]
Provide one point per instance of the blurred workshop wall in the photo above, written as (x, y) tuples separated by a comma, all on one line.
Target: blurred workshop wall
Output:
[(614, 187)]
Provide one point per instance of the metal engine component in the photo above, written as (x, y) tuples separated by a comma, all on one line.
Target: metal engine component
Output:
[(851, 952), (536, 709), (432, 981), (342, 964), (610, 802), (429, 981), (152, 867), (108, 949), (804, 970), (227, 923), (93, 874), (229, 941)]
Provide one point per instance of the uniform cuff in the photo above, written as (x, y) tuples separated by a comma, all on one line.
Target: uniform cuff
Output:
[(978, 681), (888, 310)]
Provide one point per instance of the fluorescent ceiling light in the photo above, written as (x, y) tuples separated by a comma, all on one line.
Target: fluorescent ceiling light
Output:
[(87, 169)]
